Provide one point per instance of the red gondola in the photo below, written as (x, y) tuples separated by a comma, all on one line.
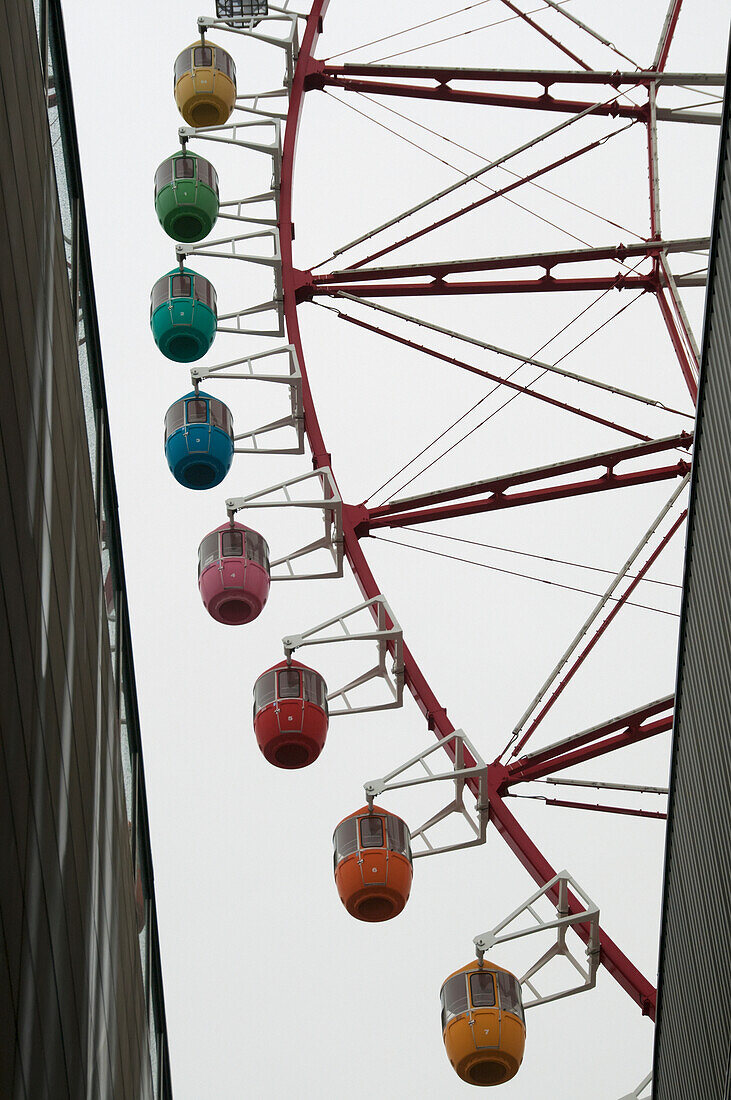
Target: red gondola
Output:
[(373, 868), (290, 714)]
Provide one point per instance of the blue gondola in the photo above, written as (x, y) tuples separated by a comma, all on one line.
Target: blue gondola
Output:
[(199, 440)]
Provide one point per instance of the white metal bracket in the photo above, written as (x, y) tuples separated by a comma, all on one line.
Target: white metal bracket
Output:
[(234, 209), (289, 42), (239, 319), (273, 261), (460, 773), (237, 133), (642, 1092), (387, 635), (252, 372), (329, 502), (563, 922)]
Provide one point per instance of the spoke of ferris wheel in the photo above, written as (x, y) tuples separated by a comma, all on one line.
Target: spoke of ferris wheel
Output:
[(440, 269), (518, 181), (408, 30), (640, 788), (601, 740), (586, 626), (667, 33), (589, 30), (474, 175), (526, 359), (673, 288), (542, 31), (562, 803)]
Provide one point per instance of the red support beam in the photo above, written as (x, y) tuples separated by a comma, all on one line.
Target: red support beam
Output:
[(542, 31), (616, 962), (333, 76), (498, 194), (535, 394), (606, 459), (307, 290), (668, 33), (525, 771), (687, 365), (631, 720), (374, 520), (441, 269), (657, 815), (644, 569), (544, 77)]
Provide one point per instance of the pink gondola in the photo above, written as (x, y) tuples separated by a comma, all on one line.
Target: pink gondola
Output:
[(233, 573)]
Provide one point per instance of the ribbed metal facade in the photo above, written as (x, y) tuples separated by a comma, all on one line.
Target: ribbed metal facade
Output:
[(693, 1037), (81, 1011)]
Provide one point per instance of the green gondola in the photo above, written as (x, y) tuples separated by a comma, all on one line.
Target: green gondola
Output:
[(183, 314), (186, 196)]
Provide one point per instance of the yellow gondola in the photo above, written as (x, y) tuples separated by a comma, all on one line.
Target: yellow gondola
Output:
[(205, 84), (483, 1025)]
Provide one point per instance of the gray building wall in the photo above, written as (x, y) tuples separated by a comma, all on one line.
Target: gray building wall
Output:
[(693, 1035), (80, 1014)]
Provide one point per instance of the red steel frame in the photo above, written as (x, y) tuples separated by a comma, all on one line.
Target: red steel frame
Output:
[(358, 520)]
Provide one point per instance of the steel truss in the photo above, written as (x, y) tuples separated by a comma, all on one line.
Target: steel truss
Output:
[(459, 774), (566, 918), (304, 73)]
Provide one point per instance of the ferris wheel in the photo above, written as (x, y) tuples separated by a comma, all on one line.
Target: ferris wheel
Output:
[(574, 113)]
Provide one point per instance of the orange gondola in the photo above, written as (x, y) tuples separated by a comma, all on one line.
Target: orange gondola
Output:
[(483, 1025), (373, 867)]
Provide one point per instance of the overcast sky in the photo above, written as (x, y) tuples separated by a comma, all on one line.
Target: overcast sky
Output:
[(271, 989)]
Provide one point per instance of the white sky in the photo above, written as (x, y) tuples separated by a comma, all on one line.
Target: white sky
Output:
[(271, 989)]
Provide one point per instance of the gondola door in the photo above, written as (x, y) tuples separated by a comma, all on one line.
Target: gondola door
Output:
[(290, 702)]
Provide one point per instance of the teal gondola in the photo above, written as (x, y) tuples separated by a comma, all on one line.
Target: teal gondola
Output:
[(183, 315)]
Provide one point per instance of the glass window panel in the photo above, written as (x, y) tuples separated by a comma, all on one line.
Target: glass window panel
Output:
[(164, 175), (264, 691), (202, 55), (182, 64), (220, 415), (184, 168), (454, 998), (208, 551), (313, 690), (196, 411), (482, 989), (257, 549), (345, 840), (212, 177), (288, 683), (204, 292), (232, 544), (225, 64), (175, 417), (398, 835), (160, 293), (127, 770), (509, 992), (154, 1057), (371, 832), (180, 286)]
